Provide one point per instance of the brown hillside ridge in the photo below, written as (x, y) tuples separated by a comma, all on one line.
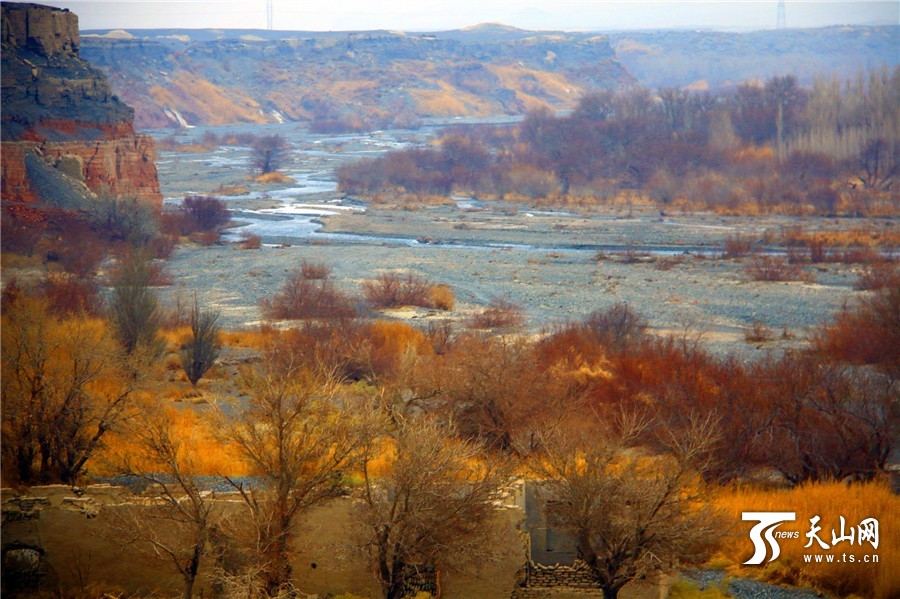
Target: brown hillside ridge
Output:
[(353, 81), (64, 133)]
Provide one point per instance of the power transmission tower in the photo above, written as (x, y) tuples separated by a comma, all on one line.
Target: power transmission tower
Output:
[(782, 19), (269, 14)]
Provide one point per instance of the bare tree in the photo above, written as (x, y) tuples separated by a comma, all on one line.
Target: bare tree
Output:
[(631, 514), (201, 351), (268, 153), (135, 308), (182, 520), (291, 433), (434, 505), (65, 384), (878, 163)]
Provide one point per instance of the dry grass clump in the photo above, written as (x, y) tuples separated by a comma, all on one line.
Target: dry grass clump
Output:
[(500, 313), (829, 501), (274, 177), (207, 453), (442, 297), (775, 268)]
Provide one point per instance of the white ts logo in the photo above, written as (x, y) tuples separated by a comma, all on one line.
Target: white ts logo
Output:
[(768, 521)]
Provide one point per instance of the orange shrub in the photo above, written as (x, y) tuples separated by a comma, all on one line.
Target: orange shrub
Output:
[(202, 451), (442, 297)]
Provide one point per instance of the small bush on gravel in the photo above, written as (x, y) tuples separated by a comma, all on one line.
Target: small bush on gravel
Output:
[(775, 268), (315, 270), (500, 313), (304, 297), (392, 290), (250, 241), (878, 276), (757, 332)]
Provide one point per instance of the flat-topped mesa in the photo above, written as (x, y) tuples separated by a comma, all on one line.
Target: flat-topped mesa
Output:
[(64, 132), (43, 30)]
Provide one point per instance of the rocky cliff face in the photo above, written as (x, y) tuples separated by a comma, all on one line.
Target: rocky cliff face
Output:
[(64, 133)]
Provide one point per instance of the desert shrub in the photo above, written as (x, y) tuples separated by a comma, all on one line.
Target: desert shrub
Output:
[(586, 343), (865, 333), (315, 270), (774, 268), (383, 347), (327, 345), (858, 255), (878, 276), (301, 297), (202, 349), (19, 235), (830, 421), (500, 313), (616, 327), (135, 308), (757, 332), (440, 334), (268, 153), (172, 224), (68, 295), (442, 297), (117, 218), (78, 249), (491, 389), (162, 246), (205, 237), (737, 246), (250, 241), (391, 290), (203, 213)]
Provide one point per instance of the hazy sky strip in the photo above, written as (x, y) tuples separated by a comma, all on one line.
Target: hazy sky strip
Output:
[(595, 15)]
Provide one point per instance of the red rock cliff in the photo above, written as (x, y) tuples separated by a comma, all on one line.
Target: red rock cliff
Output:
[(61, 125)]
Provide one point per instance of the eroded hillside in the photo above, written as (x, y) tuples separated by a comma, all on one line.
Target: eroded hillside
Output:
[(370, 79)]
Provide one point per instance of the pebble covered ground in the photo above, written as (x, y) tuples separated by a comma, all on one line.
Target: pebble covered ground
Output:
[(666, 265)]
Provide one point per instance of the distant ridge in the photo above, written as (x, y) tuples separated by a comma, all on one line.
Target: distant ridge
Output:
[(378, 78)]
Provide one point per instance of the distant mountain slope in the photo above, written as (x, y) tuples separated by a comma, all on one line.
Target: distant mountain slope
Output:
[(380, 77), (717, 59)]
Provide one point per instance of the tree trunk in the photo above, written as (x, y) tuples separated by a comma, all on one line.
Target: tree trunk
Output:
[(188, 591), (190, 573), (279, 566), (611, 592), (24, 460)]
